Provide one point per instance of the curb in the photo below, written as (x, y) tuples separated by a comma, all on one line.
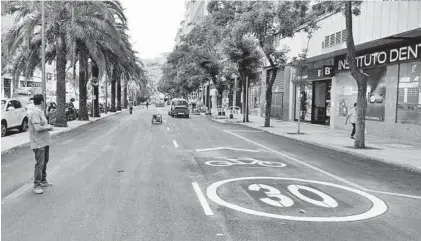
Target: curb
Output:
[(26, 144), (338, 149)]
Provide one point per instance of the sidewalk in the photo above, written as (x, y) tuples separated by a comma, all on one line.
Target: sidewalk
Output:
[(9, 143), (391, 151)]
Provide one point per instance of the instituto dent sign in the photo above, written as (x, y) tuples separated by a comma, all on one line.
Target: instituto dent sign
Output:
[(388, 56)]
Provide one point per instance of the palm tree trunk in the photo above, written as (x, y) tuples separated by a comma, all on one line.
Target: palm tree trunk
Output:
[(125, 103), (95, 73), (119, 93), (61, 120), (113, 83), (83, 80)]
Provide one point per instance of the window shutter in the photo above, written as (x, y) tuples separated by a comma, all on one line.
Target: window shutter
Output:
[(332, 39), (338, 38), (344, 35), (327, 42)]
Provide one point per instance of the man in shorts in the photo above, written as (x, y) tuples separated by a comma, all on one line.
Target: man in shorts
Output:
[(40, 139)]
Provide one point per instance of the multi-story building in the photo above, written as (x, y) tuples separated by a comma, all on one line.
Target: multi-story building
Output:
[(387, 36)]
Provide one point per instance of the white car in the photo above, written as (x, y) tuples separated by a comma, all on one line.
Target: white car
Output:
[(13, 115)]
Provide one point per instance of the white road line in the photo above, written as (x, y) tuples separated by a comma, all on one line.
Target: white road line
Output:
[(202, 199), (302, 162), (168, 128), (395, 194), (225, 148), (246, 131), (18, 192), (175, 143)]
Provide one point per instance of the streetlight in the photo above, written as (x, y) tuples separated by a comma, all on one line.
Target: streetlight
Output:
[(94, 82), (44, 86), (202, 64)]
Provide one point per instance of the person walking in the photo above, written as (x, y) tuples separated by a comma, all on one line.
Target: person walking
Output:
[(40, 140), (130, 106), (147, 104), (353, 116)]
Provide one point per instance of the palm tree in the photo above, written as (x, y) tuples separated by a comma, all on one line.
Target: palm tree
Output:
[(93, 28)]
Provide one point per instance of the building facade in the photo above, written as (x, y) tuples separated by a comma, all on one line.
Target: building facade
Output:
[(387, 36)]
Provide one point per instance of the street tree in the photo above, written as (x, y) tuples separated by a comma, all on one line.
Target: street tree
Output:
[(244, 52), (267, 21), (204, 41), (350, 8), (300, 80)]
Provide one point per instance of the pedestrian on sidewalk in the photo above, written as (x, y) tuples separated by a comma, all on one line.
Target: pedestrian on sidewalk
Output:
[(352, 115), (147, 105), (40, 140)]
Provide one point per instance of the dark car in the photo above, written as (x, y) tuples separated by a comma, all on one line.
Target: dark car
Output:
[(179, 107)]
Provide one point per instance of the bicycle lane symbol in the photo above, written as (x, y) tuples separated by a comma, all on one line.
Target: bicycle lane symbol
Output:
[(226, 162), (281, 203)]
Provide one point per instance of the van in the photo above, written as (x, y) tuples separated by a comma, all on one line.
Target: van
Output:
[(179, 107)]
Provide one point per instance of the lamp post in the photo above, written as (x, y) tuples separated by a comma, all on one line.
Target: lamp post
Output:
[(44, 86), (94, 83), (208, 97)]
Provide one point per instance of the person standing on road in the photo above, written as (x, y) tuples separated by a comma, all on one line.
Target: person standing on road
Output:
[(40, 140), (131, 106), (353, 116), (147, 105)]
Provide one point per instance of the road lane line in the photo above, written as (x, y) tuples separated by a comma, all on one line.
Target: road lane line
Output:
[(225, 148), (395, 194), (175, 143), (302, 163), (202, 199), (246, 131), (18, 192)]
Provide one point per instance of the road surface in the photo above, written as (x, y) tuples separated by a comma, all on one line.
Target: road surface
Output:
[(121, 178)]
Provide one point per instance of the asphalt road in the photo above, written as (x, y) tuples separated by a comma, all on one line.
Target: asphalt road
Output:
[(121, 178)]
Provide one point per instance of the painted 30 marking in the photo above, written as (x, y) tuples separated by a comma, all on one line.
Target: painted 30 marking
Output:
[(285, 201)]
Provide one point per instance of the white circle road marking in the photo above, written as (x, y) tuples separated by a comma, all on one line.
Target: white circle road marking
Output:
[(378, 207)]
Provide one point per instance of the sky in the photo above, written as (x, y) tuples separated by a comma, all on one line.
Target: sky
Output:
[(153, 25)]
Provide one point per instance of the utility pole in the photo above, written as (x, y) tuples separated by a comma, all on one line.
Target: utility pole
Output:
[(208, 97), (106, 93), (74, 58), (44, 86)]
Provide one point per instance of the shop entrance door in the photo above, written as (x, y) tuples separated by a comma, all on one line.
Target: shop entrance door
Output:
[(276, 110), (320, 113)]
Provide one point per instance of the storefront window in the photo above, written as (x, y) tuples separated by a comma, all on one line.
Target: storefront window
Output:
[(376, 93), (409, 94), (377, 79), (306, 103)]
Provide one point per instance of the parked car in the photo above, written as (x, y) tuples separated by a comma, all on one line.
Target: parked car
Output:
[(29, 104), (13, 115), (179, 107)]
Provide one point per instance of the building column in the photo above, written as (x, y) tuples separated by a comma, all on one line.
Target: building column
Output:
[(333, 110)]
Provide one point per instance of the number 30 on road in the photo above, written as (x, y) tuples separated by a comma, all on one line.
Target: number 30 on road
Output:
[(285, 201)]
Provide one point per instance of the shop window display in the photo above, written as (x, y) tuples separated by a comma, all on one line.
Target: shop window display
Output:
[(376, 93), (377, 79), (409, 94), (306, 103)]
